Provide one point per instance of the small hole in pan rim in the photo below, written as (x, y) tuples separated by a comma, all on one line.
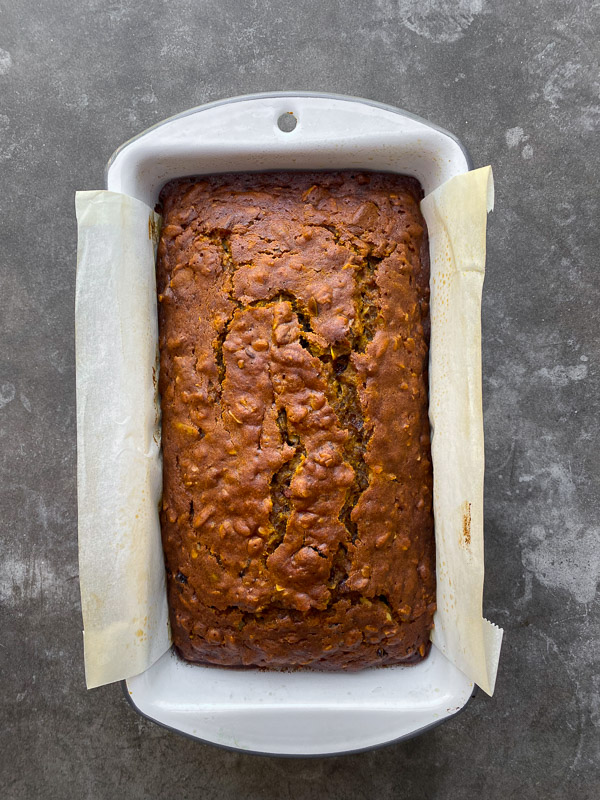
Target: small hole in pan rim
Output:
[(287, 122)]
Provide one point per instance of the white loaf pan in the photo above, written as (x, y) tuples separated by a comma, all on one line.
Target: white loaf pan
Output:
[(295, 713)]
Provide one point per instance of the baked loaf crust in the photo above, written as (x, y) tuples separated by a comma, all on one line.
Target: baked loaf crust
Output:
[(297, 508)]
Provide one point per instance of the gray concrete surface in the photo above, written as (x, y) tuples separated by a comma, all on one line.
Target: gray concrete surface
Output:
[(517, 81)]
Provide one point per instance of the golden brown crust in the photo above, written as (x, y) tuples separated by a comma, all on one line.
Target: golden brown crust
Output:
[(297, 508)]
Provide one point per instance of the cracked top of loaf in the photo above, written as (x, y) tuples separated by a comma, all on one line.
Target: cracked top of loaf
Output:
[(297, 507)]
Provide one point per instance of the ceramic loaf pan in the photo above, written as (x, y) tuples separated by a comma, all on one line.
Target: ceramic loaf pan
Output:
[(292, 713)]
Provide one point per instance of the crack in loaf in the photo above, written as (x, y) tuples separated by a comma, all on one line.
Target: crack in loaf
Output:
[(297, 502)]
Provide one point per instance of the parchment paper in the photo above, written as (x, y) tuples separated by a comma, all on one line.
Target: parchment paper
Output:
[(121, 567), (456, 215), (122, 575)]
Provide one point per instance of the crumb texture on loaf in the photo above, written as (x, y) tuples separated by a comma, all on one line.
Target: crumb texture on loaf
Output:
[(297, 507)]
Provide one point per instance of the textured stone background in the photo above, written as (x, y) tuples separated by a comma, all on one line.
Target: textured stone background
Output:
[(517, 81)]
